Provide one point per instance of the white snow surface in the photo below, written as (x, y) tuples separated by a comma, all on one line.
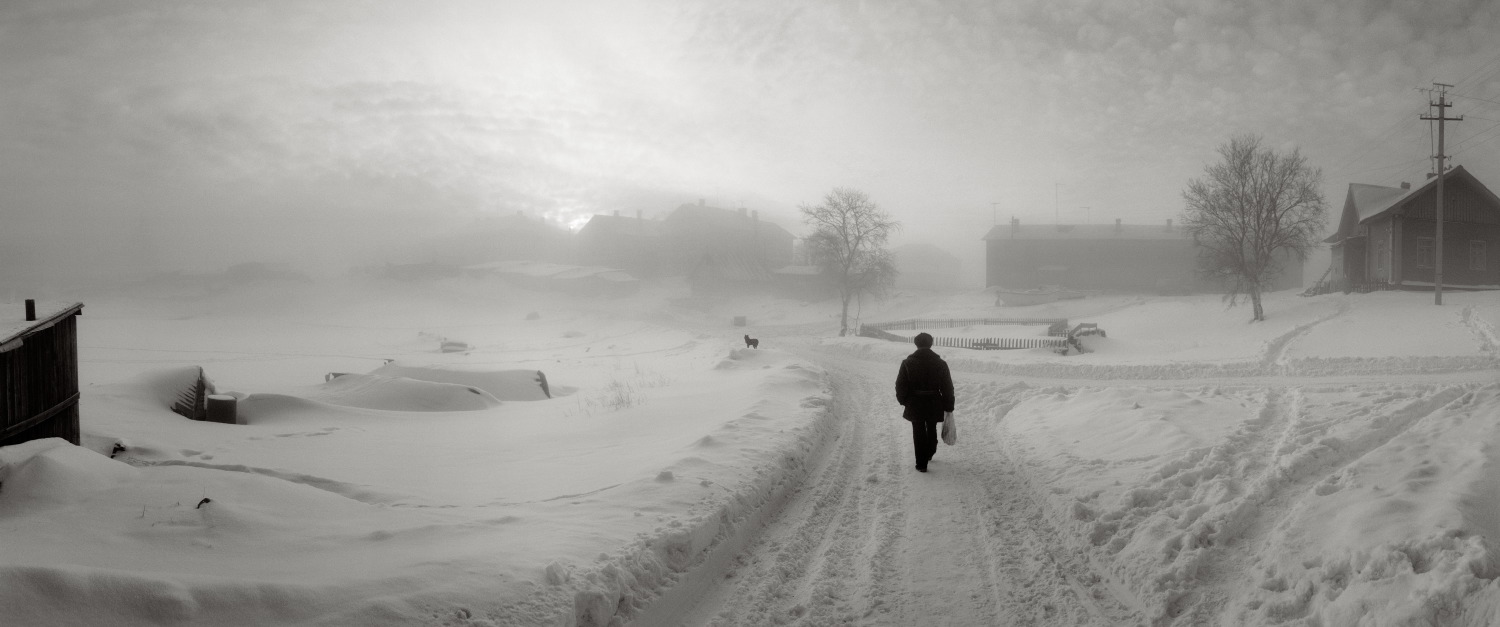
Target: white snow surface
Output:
[(1335, 464)]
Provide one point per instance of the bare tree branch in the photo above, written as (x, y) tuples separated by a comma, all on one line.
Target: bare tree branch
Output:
[(1249, 212), (849, 232)]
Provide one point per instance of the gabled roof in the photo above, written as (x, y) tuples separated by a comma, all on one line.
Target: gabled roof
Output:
[(725, 219), (1366, 202), (1086, 232), (622, 225)]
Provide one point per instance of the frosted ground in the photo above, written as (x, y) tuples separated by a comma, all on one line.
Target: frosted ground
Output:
[(1334, 465)]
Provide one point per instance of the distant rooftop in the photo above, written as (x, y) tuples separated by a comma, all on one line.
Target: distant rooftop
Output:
[(1086, 231)]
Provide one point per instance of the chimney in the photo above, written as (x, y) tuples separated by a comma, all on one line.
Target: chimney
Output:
[(1405, 185), (1118, 227)]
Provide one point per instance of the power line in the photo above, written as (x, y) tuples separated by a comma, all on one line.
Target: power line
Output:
[(1461, 146), (1387, 167), (1481, 68), (1493, 102), (1402, 123)]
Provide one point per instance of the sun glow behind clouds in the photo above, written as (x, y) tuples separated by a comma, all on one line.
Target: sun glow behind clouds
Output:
[(225, 109)]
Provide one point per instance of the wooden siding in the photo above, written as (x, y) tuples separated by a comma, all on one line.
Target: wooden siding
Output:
[(1461, 203), (39, 381), (1378, 250), (1456, 238), (1138, 265)]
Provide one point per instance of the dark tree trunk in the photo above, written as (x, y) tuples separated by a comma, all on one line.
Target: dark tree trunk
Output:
[(844, 318)]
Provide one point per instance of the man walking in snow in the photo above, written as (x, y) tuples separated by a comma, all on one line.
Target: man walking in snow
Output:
[(925, 388)]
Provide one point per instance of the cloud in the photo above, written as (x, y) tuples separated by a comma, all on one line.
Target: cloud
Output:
[(228, 108)]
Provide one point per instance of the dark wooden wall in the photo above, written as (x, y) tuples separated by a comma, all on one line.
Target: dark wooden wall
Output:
[(39, 384)]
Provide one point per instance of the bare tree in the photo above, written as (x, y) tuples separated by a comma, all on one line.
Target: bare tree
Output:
[(1250, 212), (848, 242)]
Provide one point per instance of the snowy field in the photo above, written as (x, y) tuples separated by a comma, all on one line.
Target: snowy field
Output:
[(1333, 465)]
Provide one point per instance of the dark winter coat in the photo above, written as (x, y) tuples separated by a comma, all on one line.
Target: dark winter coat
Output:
[(924, 386)]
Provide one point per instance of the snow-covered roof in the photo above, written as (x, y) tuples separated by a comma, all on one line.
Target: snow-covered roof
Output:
[(623, 225), (14, 325), (728, 219), (1365, 202)]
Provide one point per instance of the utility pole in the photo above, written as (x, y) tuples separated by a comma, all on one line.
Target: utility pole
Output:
[(1441, 117)]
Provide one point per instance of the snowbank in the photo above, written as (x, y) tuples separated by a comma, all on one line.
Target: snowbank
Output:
[(445, 488), (1360, 505), (442, 488)]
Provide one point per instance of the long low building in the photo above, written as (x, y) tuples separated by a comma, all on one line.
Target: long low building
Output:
[(1123, 257)]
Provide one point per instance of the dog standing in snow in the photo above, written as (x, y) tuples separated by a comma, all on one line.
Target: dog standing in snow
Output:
[(751, 342)]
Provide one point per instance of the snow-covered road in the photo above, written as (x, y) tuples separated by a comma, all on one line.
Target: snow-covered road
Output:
[(988, 538), (870, 541)]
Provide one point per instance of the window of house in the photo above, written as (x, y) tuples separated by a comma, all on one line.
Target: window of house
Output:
[(1426, 252), (1477, 256)]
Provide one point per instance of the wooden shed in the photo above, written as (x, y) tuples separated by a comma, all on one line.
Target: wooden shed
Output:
[(38, 372)]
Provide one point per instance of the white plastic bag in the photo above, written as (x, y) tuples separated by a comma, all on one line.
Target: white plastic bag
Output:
[(950, 430)]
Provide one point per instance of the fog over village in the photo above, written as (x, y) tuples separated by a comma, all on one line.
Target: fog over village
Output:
[(365, 312)]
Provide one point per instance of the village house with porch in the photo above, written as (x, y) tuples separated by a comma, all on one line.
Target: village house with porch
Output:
[(1386, 236)]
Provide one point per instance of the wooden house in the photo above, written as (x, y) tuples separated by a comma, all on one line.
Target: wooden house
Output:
[(1123, 257), (1387, 235), (38, 372), (615, 241)]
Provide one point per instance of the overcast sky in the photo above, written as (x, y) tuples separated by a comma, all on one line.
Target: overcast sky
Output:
[(134, 121)]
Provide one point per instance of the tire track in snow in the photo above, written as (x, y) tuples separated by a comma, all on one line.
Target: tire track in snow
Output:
[(797, 572)]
